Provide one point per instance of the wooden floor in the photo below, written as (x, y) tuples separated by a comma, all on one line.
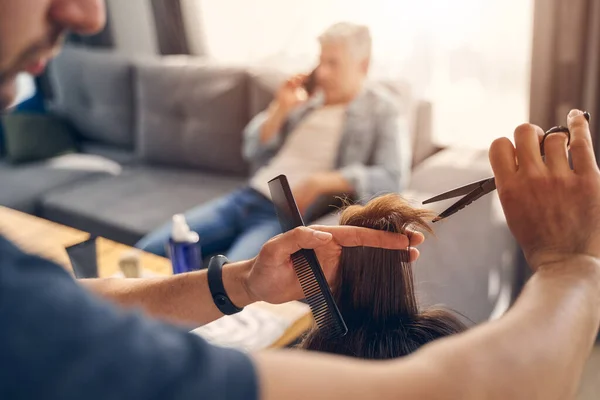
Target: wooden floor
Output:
[(590, 385)]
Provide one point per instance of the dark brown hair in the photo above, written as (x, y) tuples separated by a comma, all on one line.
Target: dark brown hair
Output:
[(375, 292)]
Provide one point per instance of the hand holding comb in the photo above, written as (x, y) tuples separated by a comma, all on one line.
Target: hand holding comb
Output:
[(306, 264)]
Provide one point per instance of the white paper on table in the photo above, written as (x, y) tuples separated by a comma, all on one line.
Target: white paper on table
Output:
[(257, 327)]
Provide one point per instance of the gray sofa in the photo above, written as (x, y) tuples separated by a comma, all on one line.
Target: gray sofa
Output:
[(160, 136), (174, 125)]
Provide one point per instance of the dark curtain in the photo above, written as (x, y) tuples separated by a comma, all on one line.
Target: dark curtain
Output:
[(170, 28), (566, 62), (564, 71)]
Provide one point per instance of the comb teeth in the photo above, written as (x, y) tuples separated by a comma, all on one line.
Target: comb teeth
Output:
[(326, 317)]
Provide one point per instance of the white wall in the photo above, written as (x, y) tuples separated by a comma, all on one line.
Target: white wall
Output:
[(133, 26), (470, 58)]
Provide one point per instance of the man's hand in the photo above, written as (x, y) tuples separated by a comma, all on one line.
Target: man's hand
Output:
[(307, 192), (291, 94), (271, 277), (553, 211)]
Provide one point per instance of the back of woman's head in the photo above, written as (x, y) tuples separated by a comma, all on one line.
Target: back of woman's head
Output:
[(375, 292)]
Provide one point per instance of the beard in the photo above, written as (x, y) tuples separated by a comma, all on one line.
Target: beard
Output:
[(8, 78)]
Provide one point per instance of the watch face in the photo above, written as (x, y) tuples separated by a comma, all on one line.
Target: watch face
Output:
[(225, 305), (215, 284), (221, 300)]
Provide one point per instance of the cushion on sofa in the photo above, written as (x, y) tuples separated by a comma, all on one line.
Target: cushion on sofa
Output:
[(33, 137), (117, 154), (126, 207), (24, 186), (192, 115), (93, 89), (264, 83)]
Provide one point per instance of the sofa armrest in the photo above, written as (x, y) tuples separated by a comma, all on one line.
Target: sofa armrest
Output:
[(423, 145)]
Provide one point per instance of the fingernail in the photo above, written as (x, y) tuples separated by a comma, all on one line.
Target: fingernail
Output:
[(322, 235), (587, 116), (575, 113)]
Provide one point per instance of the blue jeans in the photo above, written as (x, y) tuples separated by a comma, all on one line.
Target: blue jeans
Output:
[(237, 225)]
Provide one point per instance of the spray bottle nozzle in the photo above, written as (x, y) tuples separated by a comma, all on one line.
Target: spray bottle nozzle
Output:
[(181, 231)]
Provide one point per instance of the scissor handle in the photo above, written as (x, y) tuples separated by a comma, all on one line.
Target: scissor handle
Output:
[(556, 129)]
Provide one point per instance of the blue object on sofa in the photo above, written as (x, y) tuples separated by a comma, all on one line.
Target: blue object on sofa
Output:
[(34, 104)]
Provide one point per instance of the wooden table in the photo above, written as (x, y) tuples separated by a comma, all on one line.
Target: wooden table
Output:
[(49, 240)]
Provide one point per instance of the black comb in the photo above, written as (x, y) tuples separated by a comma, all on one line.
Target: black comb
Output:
[(306, 264)]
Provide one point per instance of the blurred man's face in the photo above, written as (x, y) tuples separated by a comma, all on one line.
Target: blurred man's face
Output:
[(340, 74), (31, 32)]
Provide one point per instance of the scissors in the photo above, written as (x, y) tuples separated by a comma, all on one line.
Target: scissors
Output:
[(476, 190)]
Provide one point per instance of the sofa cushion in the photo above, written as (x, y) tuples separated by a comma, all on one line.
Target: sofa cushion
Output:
[(111, 152), (93, 89), (192, 115), (33, 137), (23, 186), (264, 83), (126, 207)]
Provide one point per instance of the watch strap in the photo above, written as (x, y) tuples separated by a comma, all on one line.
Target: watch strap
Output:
[(217, 289)]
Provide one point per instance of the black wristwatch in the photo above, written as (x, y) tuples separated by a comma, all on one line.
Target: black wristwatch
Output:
[(215, 284)]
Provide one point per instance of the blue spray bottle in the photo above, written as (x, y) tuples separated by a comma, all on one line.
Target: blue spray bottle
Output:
[(184, 247)]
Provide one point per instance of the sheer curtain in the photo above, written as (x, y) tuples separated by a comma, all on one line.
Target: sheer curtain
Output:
[(470, 58)]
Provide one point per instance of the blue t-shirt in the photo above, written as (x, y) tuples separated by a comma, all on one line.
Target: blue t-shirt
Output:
[(57, 341)]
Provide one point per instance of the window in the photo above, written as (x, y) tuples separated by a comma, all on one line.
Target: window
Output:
[(470, 58)]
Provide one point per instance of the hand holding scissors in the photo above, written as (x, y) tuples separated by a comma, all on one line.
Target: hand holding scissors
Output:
[(476, 190)]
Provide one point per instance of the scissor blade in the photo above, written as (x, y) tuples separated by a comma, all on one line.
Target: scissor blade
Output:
[(460, 191), (462, 203)]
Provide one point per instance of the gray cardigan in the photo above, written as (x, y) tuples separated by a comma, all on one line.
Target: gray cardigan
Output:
[(374, 154)]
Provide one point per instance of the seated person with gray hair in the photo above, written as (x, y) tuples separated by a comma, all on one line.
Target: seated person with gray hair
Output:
[(346, 138)]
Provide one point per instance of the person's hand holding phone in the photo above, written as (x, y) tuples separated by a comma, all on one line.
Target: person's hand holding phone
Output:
[(292, 93)]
